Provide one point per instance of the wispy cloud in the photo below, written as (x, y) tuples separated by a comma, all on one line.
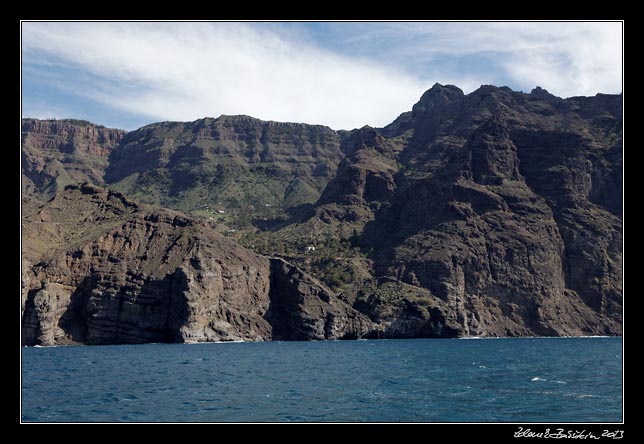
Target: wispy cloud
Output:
[(190, 70), (567, 58), (343, 75)]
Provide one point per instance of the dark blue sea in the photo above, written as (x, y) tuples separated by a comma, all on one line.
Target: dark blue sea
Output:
[(422, 380)]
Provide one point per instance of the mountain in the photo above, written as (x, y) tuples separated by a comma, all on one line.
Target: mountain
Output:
[(501, 210), (109, 270), (496, 213), (235, 169), (56, 153)]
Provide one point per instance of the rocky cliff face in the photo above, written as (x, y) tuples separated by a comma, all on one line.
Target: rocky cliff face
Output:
[(492, 214), (506, 207), (102, 269), (236, 169), (324, 316), (237, 164), (496, 213), (56, 153)]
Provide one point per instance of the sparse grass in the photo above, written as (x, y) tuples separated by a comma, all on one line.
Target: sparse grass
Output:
[(335, 260)]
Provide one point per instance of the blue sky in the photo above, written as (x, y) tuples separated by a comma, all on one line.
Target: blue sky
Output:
[(341, 74)]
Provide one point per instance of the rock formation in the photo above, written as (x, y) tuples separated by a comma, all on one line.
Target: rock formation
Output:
[(108, 270), (506, 207), (496, 213), (56, 153)]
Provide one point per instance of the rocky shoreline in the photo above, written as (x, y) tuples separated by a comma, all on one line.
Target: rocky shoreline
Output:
[(492, 214)]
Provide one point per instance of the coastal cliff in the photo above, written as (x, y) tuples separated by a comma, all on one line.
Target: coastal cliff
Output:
[(496, 213), (109, 270)]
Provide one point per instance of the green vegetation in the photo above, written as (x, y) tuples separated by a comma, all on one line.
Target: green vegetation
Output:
[(389, 298), (254, 172), (335, 260)]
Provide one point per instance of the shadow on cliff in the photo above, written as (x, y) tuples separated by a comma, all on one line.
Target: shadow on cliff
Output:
[(284, 307), (415, 207), (100, 312), (302, 309)]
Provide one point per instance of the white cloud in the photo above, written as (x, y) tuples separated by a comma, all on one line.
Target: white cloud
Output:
[(184, 71), (567, 58), (573, 59)]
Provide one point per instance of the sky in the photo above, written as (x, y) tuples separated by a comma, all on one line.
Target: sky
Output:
[(341, 74)]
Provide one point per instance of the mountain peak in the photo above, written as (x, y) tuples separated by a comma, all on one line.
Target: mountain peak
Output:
[(450, 221), (451, 90), (436, 98), (542, 94)]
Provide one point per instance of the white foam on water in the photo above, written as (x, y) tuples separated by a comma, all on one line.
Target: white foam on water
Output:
[(591, 336), (536, 378), (237, 341)]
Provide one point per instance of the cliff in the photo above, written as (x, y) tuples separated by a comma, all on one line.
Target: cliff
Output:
[(102, 269), (496, 213), (56, 153)]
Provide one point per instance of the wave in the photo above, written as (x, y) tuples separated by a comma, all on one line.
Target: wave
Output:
[(237, 341)]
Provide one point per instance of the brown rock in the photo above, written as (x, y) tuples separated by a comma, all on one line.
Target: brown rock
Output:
[(143, 275), (302, 308), (495, 213), (56, 153)]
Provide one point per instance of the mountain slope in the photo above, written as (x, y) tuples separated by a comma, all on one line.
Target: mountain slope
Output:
[(56, 153), (503, 206), (235, 164), (235, 169), (496, 213), (102, 269)]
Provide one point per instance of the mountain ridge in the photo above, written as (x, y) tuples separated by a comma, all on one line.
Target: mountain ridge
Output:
[(496, 213), (120, 272)]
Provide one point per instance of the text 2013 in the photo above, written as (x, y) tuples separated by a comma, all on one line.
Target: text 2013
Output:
[(568, 434)]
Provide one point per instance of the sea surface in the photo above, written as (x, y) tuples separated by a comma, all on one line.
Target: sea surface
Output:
[(419, 380)]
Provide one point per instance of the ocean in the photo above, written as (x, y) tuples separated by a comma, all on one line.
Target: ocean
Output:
[(417, 380)]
